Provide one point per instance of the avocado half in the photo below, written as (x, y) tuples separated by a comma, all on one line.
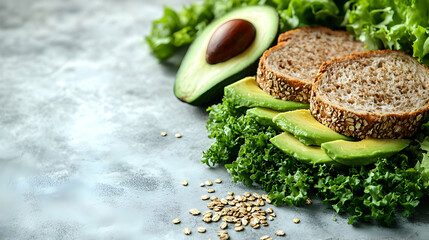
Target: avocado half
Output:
[(198, 82)]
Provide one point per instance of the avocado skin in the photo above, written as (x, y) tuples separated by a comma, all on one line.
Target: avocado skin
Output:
[(363, 152), (306, 128), (263, 116), (246, 93), (200, 83), (215, 93), (304, 153)]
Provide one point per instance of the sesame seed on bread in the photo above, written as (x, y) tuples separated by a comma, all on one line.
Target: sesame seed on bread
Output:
[(287, 70), (377, 94)]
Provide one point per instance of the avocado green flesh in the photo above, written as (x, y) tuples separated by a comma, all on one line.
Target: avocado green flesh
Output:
[(199, 82), (246, 93), (306, 128), (263, 116), (363, 152), (294, 148)]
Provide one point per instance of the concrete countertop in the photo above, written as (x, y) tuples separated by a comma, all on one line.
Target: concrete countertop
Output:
[(83, 104)]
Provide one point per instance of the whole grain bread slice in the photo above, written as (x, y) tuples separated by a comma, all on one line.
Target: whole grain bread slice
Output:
[(287, 70), (378, 94)]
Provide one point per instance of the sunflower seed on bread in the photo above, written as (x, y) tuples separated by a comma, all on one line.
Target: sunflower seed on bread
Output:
[(287, 70), (378, 94)]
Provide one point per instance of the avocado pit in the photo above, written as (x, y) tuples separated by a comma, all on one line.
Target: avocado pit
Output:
[(229, 40)]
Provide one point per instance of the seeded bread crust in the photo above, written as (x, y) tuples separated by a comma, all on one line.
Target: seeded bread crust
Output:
[(279, 82), (395, 121)]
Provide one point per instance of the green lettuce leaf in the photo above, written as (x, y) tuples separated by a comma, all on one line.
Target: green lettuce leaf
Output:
[(391, 24)]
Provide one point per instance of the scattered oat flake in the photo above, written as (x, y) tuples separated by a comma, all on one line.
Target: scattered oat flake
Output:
[(265, 237), (205, 197), (308, 201), (185, 183), (202, 184), (239, 228), (201, 230), (223, 235), (218, 181), (194, 211), (178, 135), (296, 220), (208, 183), (223, 225), (279, 233), (176, 221), (230, 193), (163, 134), (187, 231), (211, 191), (213, 198)]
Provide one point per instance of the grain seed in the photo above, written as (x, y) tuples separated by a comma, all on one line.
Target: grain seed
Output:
[(216, 217), (202, 184), (230, 193), (207, 219), (163, 134), (220, 232), (223, 225), (176, 221), (213, 198), (218, 181), (279, 233), (201, 230), (194, 211), (308, 201), (178, 135), (185, 183), (205, 197), (265, 237), (208, 213), (211, 191), (208, 183), (187, 231), (239, 228), (256, 195), (296, 220), (269, 210)]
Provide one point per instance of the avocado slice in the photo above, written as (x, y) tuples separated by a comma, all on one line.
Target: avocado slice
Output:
[(246, 93), (198, 82), (263, 116), (306, 128), (363, 152), (306, 154)]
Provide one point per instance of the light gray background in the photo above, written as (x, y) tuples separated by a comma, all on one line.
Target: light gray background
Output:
[(83, 104)]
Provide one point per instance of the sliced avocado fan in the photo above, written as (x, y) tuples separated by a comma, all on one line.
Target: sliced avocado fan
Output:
[(294, 148), (246, 93), (263, 116), (363, 152), (306, 128)]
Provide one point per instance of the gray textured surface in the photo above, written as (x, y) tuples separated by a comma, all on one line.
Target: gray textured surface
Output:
[(81, 157)]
